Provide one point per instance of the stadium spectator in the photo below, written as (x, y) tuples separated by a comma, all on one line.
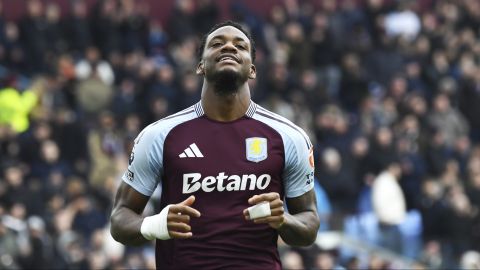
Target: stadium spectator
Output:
[(389, 205), (15, 106), (447, 120), (33, 33), (94, 67)]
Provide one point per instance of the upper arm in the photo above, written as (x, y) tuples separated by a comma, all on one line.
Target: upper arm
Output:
[(145, 163), (299, 169), (129, 198), (304, 203)]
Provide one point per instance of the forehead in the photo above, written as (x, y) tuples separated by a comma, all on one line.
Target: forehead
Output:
[(228, 32)]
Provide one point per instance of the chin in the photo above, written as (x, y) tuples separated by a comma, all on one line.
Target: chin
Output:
[(227, 81)]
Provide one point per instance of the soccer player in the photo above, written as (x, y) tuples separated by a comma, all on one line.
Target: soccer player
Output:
[(225, 166)]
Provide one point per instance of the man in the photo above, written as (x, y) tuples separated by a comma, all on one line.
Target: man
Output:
[(213, 161), (389, 205)]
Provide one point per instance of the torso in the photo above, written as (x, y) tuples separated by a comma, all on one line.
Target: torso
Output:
[(222, 164)]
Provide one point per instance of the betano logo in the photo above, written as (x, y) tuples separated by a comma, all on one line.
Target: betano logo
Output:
[(224, 182)]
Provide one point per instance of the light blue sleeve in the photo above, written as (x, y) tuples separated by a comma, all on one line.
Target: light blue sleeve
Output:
[(299, 169), (145, 162)]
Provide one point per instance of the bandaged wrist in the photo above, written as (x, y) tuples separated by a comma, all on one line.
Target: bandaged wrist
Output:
[(155, 227), (259, 210)]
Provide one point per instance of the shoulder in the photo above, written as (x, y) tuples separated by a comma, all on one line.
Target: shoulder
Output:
[(384, 179), (282, 125), (163, 126)]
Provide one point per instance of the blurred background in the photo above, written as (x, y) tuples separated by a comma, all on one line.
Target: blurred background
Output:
[(388, 90)]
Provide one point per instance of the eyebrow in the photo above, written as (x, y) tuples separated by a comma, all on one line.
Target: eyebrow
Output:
[(237, 38)]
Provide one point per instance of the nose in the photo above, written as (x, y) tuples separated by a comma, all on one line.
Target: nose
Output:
[(228, 47)]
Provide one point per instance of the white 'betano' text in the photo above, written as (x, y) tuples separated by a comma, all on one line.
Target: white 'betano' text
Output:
[(223, 182)]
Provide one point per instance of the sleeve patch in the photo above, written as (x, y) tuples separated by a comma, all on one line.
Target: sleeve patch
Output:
[(129, 175), (311, 159)]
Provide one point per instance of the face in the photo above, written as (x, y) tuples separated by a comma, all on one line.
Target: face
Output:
[(226, 60)]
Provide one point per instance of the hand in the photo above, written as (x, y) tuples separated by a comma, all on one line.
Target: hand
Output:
[(277, 218), (178, 218)]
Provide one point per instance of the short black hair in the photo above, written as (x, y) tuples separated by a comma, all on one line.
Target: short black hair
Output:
[(227, 23)]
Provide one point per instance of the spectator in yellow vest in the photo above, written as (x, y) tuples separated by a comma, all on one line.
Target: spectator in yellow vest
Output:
[(15, 107)]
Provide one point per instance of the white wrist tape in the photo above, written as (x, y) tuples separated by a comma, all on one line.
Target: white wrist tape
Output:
[(259, 210), (155, 227)]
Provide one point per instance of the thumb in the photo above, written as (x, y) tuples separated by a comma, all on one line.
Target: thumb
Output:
[(189, 201)]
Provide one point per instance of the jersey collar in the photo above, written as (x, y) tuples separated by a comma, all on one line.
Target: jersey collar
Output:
[(252, 107)]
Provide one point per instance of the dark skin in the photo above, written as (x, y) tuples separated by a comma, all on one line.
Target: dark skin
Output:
[(227, 49)]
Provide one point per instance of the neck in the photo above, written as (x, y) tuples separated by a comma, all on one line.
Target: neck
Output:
[(225, 108)]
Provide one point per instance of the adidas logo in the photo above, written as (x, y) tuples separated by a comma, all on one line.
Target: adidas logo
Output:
[(191, 151)]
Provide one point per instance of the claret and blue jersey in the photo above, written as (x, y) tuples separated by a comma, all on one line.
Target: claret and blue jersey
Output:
[(223, 164)]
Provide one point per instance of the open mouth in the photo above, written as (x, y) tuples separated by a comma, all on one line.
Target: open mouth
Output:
[(227, 58)]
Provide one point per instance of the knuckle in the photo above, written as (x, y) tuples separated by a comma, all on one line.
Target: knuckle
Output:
[(176, 235)]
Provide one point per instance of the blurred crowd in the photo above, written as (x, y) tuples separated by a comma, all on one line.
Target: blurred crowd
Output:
[(389, 92)]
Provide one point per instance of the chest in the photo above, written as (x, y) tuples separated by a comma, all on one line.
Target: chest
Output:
[(242, 147), (222, 164)]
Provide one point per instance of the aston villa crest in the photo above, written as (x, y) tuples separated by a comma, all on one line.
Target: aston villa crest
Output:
[(256, 149)]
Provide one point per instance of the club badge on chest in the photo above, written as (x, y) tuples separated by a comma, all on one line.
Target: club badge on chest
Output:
[(256, 149)]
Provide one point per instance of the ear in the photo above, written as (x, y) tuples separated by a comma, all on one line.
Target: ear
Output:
[(253, 72), (200, 70)]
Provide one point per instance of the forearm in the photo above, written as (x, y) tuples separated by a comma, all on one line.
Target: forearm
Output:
[(126, 226), (300, 229)]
